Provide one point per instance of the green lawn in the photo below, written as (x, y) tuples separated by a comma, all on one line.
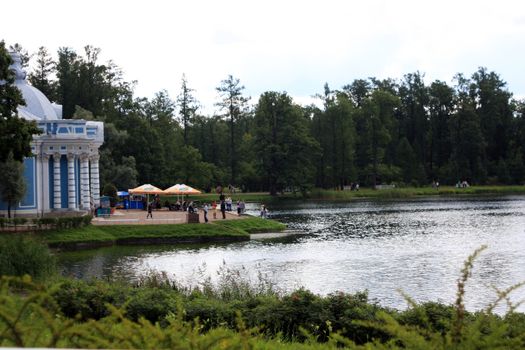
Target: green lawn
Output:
[(253, 225), (114, 233)]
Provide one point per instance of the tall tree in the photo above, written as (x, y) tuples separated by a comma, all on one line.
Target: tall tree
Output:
[(15, 133), (377, 120), (40, 78), (283, 144), (187, 107), (234, 103), (67, 85), (441, 107), (493, 106)]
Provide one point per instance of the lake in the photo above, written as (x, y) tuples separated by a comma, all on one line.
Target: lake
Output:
[(417, 246)]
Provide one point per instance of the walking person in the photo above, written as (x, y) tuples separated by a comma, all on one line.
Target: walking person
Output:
[(223, 209), (243, 206), (150, 211), (205, 209), (214, 207)]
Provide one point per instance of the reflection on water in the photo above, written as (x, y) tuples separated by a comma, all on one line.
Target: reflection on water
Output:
[(382, 246)]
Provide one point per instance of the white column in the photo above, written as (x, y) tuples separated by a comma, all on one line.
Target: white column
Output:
[(71, 188), (95, 185), (84, 181), (57, 202), (45, 190)]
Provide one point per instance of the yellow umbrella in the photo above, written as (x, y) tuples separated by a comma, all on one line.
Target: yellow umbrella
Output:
[(181, 189), (146, 189)]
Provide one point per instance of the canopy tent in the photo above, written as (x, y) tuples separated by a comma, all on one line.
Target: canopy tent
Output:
[(179, 189)]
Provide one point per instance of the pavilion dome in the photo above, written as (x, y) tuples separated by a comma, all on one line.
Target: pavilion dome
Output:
[(38, 106)]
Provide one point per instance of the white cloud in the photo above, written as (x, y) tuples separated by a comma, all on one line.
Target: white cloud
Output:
[(293, 46)]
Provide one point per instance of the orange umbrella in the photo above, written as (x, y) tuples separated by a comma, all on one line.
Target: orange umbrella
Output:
[(181, 189), (146, 189)]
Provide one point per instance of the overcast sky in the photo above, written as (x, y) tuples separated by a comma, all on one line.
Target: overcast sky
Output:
[(293, 46)]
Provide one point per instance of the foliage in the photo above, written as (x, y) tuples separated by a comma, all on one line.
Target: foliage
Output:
[(234, 104), (110, 190), (283, 144), (20, 256), (13, 186), (157, 312), (15, 133)]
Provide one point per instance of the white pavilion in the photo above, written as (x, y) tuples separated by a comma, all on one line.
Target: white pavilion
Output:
[(63, 174)]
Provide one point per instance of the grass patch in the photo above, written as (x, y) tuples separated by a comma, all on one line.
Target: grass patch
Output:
[(114, 233), (253, 225)]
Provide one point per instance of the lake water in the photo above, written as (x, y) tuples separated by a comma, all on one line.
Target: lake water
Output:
[(417, 246)]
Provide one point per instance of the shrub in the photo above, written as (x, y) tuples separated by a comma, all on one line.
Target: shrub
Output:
[(87, 219), (20, 256), (88, 300), (152, 304), (48, 222), (19, 221)]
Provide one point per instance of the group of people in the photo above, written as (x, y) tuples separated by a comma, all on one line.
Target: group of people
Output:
[(224, 205), (462, 184), (188, 206)]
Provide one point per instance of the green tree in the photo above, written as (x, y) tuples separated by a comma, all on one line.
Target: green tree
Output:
[(16, 133), (67, 84), (413, 119), (492, 103), (406, 160), (12, 186), (283, 144), (441, 107), (376, 125), (235, 104), (187, 107), (517, 168), (333, 128), (40, 78), (467, 145), (192, 170)]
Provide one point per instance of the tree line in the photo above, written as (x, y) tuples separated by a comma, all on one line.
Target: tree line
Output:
[(370, 131)]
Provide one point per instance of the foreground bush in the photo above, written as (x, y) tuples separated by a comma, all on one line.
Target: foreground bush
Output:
[(31, 317), (159, 313), (20, 256)]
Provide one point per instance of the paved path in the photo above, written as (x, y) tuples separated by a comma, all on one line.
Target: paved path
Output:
[(163, 216)]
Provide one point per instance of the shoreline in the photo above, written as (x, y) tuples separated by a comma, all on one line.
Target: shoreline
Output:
[(366, 193), (95, 236)]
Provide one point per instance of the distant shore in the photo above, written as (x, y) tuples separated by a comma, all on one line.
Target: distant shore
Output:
[(365, 192)]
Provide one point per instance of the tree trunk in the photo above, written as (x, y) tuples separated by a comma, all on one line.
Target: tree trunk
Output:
[(232, 143)]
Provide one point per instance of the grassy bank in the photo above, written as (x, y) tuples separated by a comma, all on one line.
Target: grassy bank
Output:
[(122, 234)]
